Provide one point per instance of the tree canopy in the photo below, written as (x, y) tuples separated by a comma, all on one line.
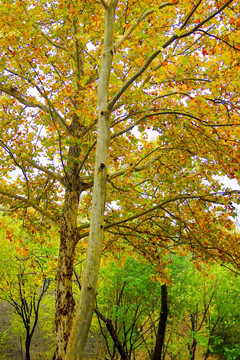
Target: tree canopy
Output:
[(146, 91)]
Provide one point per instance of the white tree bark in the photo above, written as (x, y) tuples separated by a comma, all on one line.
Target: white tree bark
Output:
[(86, 306)]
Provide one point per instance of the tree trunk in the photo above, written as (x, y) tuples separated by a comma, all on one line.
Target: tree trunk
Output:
[(162, 325), (65, 301), (27, 346), (114, 336), (86, 307), (207, 354), (192, 347)]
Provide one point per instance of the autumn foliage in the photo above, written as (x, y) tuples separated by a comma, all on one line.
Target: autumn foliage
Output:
[(147, 90)]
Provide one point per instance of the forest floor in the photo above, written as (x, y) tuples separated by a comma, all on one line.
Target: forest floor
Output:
[(11, 342)]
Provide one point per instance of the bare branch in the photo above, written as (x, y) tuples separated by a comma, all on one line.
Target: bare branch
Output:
[(183, 113), (182, 80)]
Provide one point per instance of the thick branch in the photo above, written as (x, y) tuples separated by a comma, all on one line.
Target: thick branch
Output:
[(157, 52), (162, 324), (168, 112), (131, 28), (85, 308), (104, 4), (78, 60), (203, 197), (113, 334), (45, 170), (137, 22), (18, 96), (133, 78), (205, 21), (190, 15), (29, 203)]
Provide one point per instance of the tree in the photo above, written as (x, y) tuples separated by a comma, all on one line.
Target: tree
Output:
[(131, 299), (77, 78), (27, 307), (162, 325), (23, 278), (223, 321), (203, 304)]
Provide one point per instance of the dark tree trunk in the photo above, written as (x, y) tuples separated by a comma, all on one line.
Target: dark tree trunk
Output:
[(193, 350), (27, 346), (68, 240), (207, 354), (64, 300), (192, 347), (162, 325), (114, 336)]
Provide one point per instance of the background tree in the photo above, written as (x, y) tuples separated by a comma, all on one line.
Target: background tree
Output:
[(25, 275), (201, 304), (223, 316), (157, 355), (129, 297), (65, 64)]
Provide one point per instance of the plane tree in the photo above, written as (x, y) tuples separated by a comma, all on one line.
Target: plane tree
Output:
[(82, 84)]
